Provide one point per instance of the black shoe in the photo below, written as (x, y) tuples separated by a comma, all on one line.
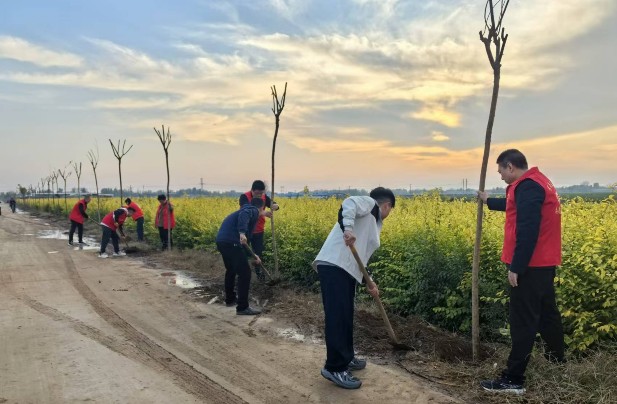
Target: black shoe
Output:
[(342, 379), (232, 303), (248, 312), (70, 243), (356, 364), (82, 243), (502, 386)]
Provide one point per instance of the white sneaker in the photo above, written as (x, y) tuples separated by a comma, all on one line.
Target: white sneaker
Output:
[(103, 255), (119, 254)]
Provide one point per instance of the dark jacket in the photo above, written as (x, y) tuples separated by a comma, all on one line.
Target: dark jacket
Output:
[(241, 221)]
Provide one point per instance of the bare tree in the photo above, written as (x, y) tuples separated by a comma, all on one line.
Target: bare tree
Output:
[(494, 38), (94, 162), (77, 168), (277, 109), (54, 180), (48, 180), (165, 139), (64, 174), (119, 153)]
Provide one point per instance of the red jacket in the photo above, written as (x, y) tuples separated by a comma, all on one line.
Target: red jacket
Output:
[(261, 222), (162, 215), (138, 212), (548, 247), (115, 219), (75, 214)]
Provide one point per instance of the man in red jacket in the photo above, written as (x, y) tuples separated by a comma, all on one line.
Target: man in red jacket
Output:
[(531, 252), (165, 220), (138, 217), (77, 216), (258, 190), (111, 225)]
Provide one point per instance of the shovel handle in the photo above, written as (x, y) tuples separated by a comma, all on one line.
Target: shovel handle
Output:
[(368, 279), (250, 250)]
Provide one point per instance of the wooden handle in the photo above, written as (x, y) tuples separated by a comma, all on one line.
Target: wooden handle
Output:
[(367, 278)]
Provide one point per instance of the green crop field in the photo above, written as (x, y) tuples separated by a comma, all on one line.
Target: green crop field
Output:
[(424, 264)]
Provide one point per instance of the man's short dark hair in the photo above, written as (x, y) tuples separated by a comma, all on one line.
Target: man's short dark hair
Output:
[(131, 210), (514, 157), (381, 194), (161, 197), (257, 202), (258, 185), (127, 201)]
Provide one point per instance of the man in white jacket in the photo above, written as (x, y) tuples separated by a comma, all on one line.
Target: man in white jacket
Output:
[(359, 224)]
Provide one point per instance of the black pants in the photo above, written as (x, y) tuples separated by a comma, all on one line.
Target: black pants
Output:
[(140, 229), (107, 234), (257, 243), (338, 290), (163, 235), (236, 264), (80, 231), (533, 309)]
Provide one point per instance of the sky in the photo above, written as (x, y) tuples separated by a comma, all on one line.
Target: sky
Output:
[(379, 92)]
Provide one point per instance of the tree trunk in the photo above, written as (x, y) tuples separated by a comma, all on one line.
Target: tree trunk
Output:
[(120, 174), (168, 203), (274, 248), (475, 301)]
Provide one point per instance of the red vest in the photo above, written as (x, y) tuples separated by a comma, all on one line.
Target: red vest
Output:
[(261, 222), (108, 220), (162, 213), (75, 215), (138, 212), (548, 248)]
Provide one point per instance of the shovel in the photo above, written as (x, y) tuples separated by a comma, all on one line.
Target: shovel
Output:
[(272, 281), (127, 249), (394, 340)]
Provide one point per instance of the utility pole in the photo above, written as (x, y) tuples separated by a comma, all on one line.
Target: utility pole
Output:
[(202, 184)]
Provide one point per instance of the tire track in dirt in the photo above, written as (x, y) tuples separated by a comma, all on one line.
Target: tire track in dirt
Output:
[(150, 353)]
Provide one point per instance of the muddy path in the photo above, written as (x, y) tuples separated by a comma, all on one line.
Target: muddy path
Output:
[(77, 328)]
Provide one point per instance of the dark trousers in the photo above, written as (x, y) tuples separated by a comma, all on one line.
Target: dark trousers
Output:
[(80, 231), (140, 229), (107, 234), (163, 235), (257, 243), (236, 264), (338, 290), (533, 309)]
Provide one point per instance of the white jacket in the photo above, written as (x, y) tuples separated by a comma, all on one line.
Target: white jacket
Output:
[(358, 218)]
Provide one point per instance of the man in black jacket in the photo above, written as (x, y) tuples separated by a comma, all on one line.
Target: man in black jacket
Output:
[(234, 234)]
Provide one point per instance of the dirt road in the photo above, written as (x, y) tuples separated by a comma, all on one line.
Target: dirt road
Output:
[(77, 328)]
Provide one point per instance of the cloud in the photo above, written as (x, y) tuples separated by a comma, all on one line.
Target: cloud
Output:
[(24, 51), (439, 114), (439, 136)]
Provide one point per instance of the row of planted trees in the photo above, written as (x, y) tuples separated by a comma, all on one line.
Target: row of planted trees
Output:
[(494, 39), (49, 186)]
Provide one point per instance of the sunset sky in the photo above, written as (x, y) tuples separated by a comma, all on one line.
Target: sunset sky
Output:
[(380, 92)]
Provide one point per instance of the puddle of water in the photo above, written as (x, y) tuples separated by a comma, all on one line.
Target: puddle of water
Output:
[(56, 234), (182, 280)]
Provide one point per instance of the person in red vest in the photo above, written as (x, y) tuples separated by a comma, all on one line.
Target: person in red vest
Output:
[(165, 220), (112, 225), (258, 190), (531, 252), (137, 217), (77, 217)]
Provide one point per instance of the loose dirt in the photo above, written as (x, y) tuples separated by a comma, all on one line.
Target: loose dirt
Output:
[(139, 329)]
